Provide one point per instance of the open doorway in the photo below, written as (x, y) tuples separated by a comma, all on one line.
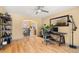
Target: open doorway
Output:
[(29, 28)]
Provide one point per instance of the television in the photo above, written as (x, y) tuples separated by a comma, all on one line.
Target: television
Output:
[(60, 21)]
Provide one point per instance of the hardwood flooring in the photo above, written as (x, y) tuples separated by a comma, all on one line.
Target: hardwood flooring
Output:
[(34, 45)]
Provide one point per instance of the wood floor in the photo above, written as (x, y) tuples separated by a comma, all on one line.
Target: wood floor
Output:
[(34, 45)]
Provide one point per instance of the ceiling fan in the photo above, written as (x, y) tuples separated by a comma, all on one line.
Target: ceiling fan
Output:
[(40, 9)]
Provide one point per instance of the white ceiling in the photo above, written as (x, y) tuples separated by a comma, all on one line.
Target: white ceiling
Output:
[(30, 10)]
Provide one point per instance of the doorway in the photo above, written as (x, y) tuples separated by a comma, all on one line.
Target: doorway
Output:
[(29, 28)]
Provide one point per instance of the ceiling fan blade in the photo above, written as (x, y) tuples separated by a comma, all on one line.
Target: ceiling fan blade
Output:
[(44, 11)]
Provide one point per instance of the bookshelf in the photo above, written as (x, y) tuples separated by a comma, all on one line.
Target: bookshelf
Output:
[(5, 29)]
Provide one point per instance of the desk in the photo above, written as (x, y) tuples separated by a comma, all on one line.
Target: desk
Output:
[(61, 35)]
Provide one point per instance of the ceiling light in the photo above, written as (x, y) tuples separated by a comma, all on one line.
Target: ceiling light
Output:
[(39, 10)]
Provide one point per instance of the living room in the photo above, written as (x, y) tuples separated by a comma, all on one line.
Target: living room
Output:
[(34, 18)]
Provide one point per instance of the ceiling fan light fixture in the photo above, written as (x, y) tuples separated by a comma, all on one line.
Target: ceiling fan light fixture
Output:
[(39, 10)]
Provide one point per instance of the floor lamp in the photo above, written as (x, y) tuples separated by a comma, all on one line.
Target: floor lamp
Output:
[(73, 29)]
